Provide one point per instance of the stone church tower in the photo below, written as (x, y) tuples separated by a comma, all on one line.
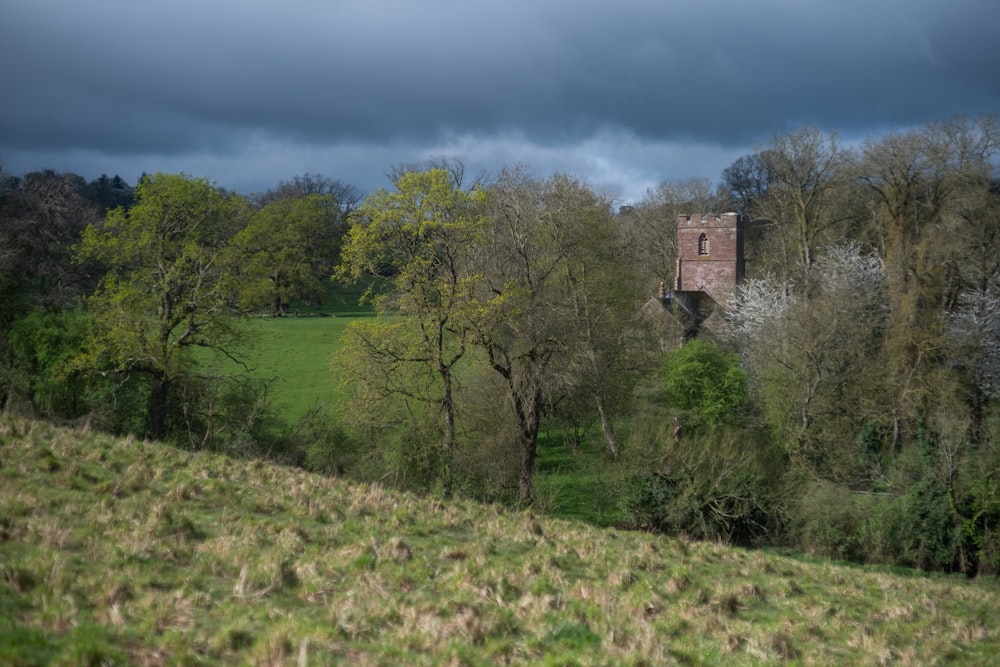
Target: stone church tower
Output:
[(710, 265), (710, 255)]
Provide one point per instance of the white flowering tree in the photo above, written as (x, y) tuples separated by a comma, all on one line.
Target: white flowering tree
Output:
[(813, 363)]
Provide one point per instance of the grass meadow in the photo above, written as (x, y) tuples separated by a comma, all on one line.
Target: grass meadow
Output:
[(294, 353), (117, 551)]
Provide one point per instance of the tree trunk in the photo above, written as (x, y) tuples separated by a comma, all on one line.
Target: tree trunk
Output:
[(449, 430), (157, 412), (610, 441), (526, 481), (528, 421)]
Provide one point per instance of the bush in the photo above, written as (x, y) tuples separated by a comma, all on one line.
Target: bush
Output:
[(721, 484), (40, 346), (915, 529), (702, 379), (231, 415), (326, 445), (829, 520)]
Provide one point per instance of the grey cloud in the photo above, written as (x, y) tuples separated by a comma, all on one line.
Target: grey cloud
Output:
[(195, 78)]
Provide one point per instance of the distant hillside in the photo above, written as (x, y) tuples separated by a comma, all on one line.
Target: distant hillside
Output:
[(123, 552)]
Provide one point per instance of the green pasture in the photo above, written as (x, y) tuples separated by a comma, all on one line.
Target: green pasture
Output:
[(293, 354)]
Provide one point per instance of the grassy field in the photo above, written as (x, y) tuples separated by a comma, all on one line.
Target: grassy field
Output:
[(294, 354), (123, 552)]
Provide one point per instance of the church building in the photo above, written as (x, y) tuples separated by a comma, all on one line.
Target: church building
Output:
[(709, 255), (710, 265)]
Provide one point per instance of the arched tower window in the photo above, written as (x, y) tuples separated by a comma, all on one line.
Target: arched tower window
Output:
[(703, 245)]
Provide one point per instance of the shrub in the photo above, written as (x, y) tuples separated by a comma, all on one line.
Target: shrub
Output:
[(721, 484), (702, 379), (326, 445), (831, 521), (231, 415), (41, 345)]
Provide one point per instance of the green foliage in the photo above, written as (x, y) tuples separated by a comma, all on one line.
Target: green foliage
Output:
[(286, 252), (832, 521), (717, 484), (327, 446), (707, 382), (229, 414), (41, 346), (419, 239), (165, 288), (916, 529), (938, 509)]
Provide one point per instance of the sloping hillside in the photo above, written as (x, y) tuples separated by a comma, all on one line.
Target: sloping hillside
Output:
[(122, 552)]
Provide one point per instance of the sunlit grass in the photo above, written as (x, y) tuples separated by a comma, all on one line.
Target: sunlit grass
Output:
[(118, 551), (294, 354)]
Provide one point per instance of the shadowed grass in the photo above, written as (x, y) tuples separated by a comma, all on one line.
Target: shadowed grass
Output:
[(123, 552)]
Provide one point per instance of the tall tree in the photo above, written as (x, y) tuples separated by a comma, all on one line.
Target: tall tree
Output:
[(164, 292), (919, 182), (602, 286), (415, 242), (345, 195), (747, 180), (41, 216), (815, 364), (542, 329), (805, 170)]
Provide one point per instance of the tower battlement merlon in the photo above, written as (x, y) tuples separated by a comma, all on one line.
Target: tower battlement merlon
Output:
[(729, 220)]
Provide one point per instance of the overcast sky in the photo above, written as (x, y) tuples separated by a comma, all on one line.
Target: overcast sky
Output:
[(626, 93)]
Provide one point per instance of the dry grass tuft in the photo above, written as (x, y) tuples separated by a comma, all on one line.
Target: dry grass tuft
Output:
[(621, 579), (678, 584), (400, 551), (783, 647)]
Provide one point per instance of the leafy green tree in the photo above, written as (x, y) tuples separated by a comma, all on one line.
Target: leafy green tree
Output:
[(287, 251), (708, 382), (546, 322), (164, 293), (416, 242), (815, 365), (602, 287), (41, 216), (42, 345)]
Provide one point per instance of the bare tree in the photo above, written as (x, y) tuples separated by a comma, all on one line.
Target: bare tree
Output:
[(919, 184), (805, 170)]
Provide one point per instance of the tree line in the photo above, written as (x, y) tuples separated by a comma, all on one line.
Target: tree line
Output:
[(848, 407)]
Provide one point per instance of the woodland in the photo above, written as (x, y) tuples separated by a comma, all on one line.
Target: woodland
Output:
[(849, 408)]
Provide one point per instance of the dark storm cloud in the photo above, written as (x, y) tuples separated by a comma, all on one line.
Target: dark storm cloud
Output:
[(208, 80)]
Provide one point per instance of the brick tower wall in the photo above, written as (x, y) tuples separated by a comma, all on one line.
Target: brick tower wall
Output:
[(713, 265)]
